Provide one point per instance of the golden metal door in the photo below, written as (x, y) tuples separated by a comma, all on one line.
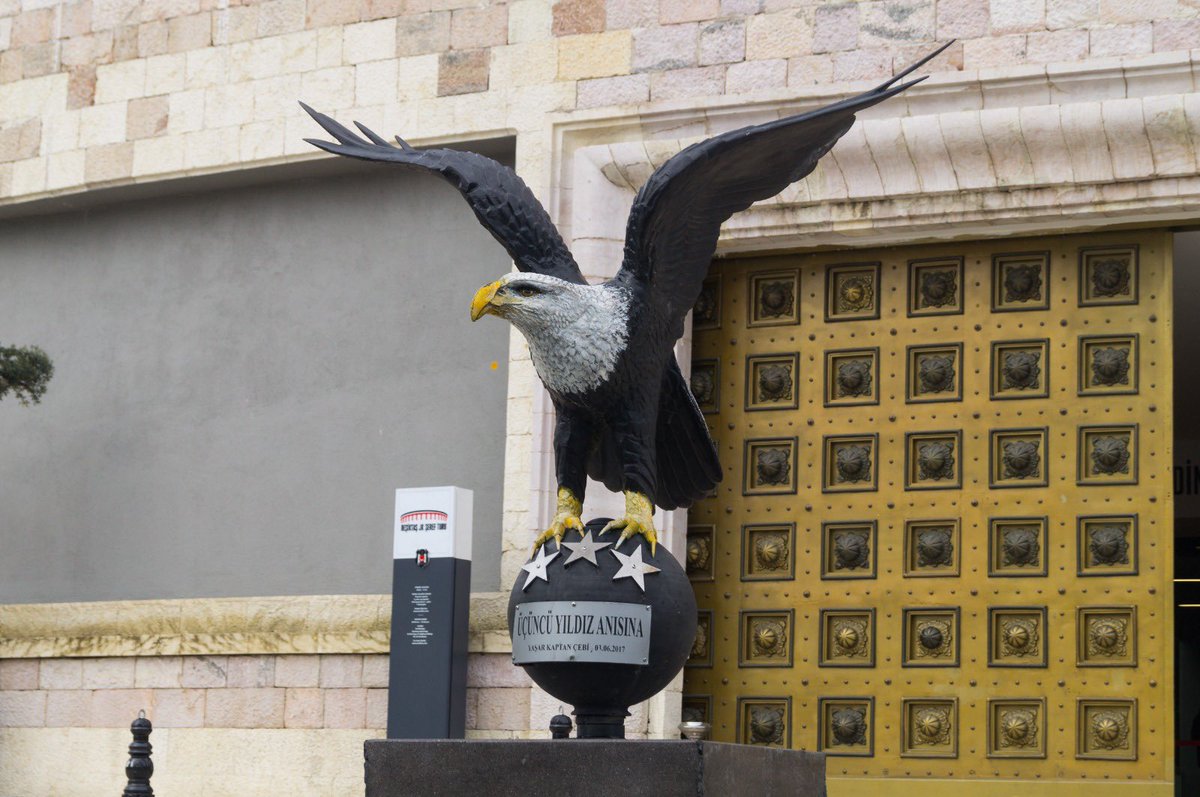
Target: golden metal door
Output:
[(942, 548)]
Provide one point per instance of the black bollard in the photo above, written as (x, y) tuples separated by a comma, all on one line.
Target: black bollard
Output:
[(139, 768), (560, 727)]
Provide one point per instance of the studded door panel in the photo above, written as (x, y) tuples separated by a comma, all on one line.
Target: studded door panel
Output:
[(941, 545)]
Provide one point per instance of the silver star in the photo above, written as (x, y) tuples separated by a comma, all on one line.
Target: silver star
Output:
[(584, 549), (633, 567), (537, 568)]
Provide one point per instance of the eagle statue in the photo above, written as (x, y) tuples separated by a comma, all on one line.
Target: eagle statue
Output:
[(625, 414)]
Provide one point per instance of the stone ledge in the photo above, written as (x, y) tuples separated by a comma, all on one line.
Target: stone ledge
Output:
[(223, 626), (545, 768)]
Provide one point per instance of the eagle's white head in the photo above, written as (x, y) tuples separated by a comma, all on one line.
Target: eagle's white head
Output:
[(575, 332)]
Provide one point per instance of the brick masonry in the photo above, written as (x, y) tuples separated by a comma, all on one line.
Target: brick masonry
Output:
[(294, 691)]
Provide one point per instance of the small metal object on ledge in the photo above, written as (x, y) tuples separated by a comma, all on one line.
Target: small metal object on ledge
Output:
[(695, 731)]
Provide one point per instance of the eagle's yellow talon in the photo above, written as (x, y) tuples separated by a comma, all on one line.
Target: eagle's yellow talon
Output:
[(639, 519), (566, 517)]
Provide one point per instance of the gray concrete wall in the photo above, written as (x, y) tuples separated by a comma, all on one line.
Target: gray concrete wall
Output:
[(243, 379)]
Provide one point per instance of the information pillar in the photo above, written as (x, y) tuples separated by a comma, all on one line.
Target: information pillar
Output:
[(431, 594)]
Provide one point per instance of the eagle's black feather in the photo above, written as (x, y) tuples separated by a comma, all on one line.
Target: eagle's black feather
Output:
[(499, 198), (677, 215), (688, 467)]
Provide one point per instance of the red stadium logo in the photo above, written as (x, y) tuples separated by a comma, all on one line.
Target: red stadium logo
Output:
[(424, 516), (423, 520)]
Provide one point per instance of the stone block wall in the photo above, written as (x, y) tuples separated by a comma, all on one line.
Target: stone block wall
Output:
[(335, 691), (283, 688), (97, 92), (267, 712)]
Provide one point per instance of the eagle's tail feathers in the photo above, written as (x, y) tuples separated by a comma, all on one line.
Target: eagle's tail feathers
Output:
[(674, 478), (604, 465), (685, 455), (688, 467)]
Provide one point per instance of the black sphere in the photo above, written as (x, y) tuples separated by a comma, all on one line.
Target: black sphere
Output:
[(602, 692)]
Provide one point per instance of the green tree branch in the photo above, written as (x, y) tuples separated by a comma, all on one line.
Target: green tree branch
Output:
[(24, 372)]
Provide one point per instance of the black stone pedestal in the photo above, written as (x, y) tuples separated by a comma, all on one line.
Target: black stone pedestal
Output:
[(583, 767)]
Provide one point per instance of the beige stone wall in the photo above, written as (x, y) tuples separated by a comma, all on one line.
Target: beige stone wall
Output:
[(336, 691), (194, 762), (257, 714), (108, 91)]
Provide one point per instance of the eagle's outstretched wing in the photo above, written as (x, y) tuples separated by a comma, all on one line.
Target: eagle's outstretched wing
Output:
[(677, 215), (500, 199)]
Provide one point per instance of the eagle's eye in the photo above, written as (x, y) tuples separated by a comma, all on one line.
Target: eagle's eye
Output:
[(526, 290)]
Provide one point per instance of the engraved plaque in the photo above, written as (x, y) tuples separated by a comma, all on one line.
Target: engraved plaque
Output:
[(583, 631)]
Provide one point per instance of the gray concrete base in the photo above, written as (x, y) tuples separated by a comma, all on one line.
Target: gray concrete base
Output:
[(581, 768)]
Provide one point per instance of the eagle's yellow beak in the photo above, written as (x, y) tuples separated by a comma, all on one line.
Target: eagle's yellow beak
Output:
[(482, 303)]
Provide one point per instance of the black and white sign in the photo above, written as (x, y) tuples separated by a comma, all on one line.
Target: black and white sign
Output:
[(431, 581), (583, 631)]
